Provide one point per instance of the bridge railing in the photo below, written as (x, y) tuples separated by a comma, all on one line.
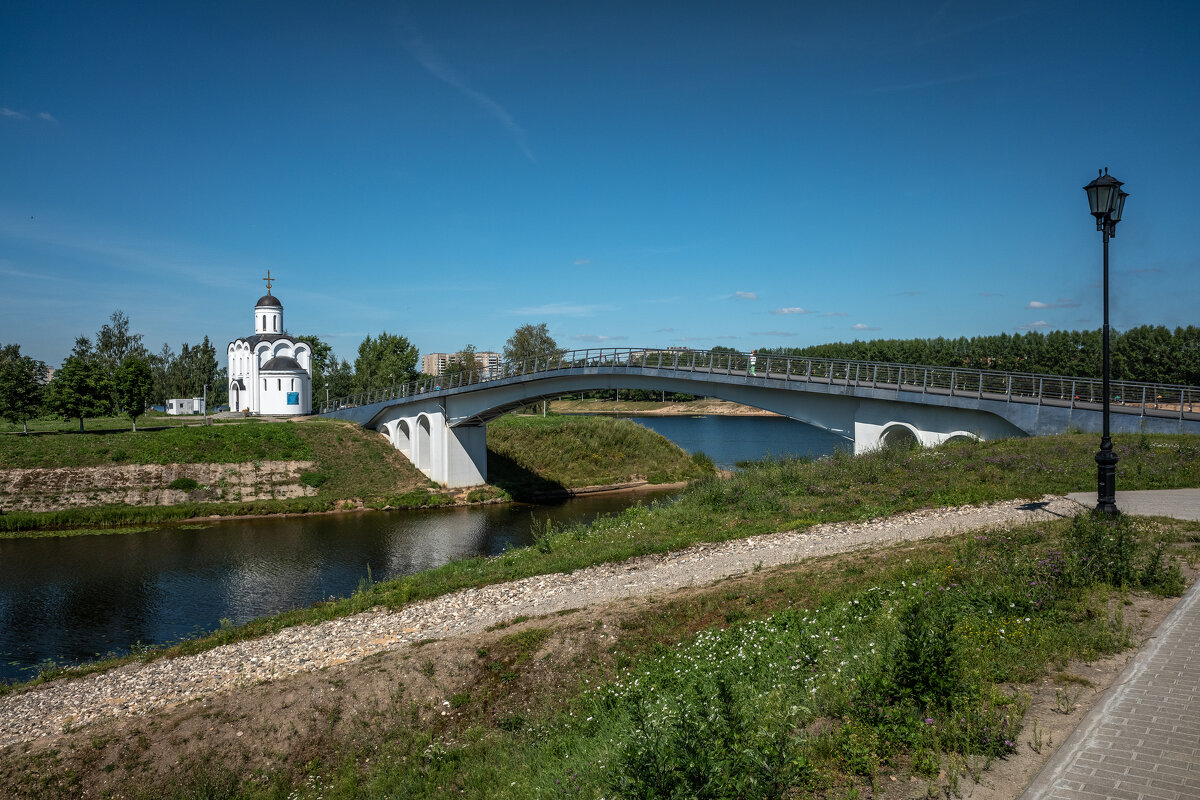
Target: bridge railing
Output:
[(1125, 396)]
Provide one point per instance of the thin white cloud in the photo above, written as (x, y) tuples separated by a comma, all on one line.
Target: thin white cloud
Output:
[(560, 310), (792, 310), (1041, 323), (592, 337), (745, 295), (1035, 305), (47, 117), (9, 271), (695, 339), (772, 333), (146, 256), (729, 337), (835, 314), (858, 326), (8, 112), (582, 262), (665, 330), (429, 58)]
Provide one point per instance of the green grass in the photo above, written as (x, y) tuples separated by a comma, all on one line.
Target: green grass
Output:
[(531, 456), (817, 680), (528, 457), (153, 419), (352, 465), (773, 496), (224, 444)]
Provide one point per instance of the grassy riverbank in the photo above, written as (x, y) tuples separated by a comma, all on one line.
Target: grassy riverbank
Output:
[(832, 678), (767, 497), (538, 456), (825, 681), (351, 468), (701, 405)]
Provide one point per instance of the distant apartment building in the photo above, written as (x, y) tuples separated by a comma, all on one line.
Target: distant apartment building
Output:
[(436, 363)]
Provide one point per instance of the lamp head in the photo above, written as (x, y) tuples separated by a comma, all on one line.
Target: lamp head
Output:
[(1105, 196)]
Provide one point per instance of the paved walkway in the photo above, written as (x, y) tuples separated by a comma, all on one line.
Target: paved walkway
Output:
[(1142, 738), (1177, 503)]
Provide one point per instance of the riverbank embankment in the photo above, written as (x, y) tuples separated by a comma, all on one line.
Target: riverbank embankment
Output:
[(509, 699), (66, 481), (683, 408), (137, 689)]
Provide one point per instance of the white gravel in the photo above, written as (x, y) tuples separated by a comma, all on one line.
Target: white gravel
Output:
[(142, 688)]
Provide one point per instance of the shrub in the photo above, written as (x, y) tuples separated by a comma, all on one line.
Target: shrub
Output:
[(929, 664), (314, 479), (1103, 549), (184, 484)]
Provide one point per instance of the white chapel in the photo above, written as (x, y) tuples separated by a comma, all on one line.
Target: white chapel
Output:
[(270, 373)]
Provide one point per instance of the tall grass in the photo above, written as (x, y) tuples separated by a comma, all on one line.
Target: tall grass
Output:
[(537, 455), (774, 496), (224, 444), (897, 668)]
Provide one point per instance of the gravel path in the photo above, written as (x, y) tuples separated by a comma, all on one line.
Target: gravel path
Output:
[(141, 688)]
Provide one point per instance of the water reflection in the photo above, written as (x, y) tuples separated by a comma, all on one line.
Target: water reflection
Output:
[(73, 599), (729, 440), (76, 598)]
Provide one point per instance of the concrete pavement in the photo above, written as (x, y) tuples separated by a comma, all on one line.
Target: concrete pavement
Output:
[(1142, 738), (1177, 503)]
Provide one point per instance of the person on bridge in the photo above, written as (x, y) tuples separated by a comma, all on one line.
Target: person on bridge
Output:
[(751, 362)]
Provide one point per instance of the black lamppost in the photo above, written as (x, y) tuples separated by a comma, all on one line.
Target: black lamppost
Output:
[(1107, 201)]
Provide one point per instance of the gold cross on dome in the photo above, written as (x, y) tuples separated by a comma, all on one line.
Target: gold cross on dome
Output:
[(268, 279)]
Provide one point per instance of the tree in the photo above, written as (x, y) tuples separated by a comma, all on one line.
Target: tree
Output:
[(186, 374), (323, 361), (114, 342), (384, 361), (529, 342), (22, 385), (162, 364), (134, 382), (341, 378), (81, 388), (465, 362)]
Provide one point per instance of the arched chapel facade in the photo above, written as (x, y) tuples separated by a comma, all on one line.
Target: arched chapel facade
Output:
[(270, 373)]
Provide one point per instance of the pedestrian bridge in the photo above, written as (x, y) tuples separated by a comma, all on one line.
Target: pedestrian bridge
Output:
[(439, 423)]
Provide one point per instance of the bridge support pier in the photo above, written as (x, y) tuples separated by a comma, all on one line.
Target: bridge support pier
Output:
[(454, 457), (870, 436), (465, 462)]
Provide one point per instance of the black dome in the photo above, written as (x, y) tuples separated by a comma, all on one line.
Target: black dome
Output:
[(281, 364), (268, 300)]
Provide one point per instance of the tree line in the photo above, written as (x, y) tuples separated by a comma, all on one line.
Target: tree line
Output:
[(1148, 353), (113, 373)]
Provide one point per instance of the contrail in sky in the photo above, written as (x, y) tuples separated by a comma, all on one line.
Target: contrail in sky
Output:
[(432, 61)]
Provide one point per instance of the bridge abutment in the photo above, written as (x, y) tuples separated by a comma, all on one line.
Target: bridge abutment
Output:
[(454, 457)]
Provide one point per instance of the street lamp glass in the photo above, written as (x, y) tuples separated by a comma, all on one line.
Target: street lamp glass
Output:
[(1118, 207), (1102, 194)]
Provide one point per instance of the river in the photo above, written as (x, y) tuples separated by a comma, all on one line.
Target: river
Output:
[(73, 599)]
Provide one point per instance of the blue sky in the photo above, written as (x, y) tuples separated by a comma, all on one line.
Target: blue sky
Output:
[(742, 174)]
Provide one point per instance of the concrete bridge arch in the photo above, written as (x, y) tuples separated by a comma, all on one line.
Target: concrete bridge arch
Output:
[(873, 404)]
